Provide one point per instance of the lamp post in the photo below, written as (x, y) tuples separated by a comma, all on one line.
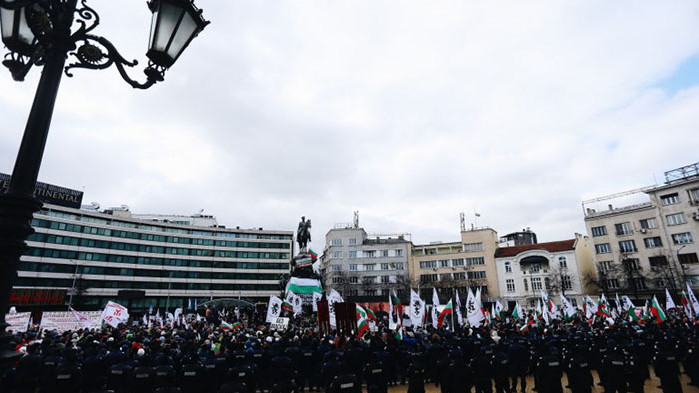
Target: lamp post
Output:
[(48, 33)]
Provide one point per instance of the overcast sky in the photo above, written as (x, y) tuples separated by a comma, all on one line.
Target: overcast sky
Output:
[(409, 112)]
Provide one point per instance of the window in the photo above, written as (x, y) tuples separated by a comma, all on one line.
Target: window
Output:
[(370, 267), (627, 246), (384, 279), (682, 238), (337, 254), (688, 258), (475, 261), (476, 275), (602, 248), (676, 219), (694, 194), (637, 283), (632, 264), (473, 246), (526, 286), (336, 242), (670, 199), (508, 267), (605, 265), (653, 242), (399, 252), (535, 268), (354, 280), (337, 280), (352, 242), (510, 285), (428, 277), (562, 262), (566, 282), (444, 263), (599, 231), (353, 267), (398, 265), (623, 229), (336, 268), (427, 264), (384, 253), (659, 283), (457, 262), (612, 283), (384, 266), (648, 223), (659, 260), (460, 276), (370, 254), (352, 254), (536, 283), (547, 283)]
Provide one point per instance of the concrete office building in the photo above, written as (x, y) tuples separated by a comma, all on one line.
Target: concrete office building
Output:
[(466, 263), (357, 264), (559, 267), (643, 248), (159, 261)]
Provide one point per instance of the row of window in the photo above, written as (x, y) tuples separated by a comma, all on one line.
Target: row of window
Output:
[(477, 275), (364, 280), (67, 283), (155, 228), (458, 262), (117, 271), (674, 198), (88, 256), (353, 267), (75, 241), (633, 283), (536, 283), (534, 268), (625, 228), (654, 261), (368, 254), (627, 246)]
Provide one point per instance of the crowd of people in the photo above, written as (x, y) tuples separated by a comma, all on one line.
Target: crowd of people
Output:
[(206, 356)]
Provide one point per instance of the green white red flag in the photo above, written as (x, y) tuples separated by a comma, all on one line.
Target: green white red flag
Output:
[(446, 310), (657, 311)]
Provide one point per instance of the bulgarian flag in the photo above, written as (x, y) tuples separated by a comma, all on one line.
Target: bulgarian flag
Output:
[(399, 334), (685, 303), (447, 310), (287, 306), (370, 314), (313, 254), (225, 326), (362, 327), (517, 312), (361, 314), (657, 311), (602, 307)]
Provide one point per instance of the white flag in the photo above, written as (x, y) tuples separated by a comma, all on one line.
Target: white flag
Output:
[(145, 320), (693, 299), (85, 322), (333, 297), (316, 298), (295, 301), (178, 312), (590, 307), (391, 322), (417, 309), (114, 314), (274, 308), (669, 303), (474, 314), (435, 307), (459, 317), (568, 309)]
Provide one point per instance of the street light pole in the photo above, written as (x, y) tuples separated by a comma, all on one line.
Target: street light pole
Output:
[(46, 33)]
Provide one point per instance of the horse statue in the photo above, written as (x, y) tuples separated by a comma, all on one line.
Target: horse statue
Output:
[(303, 234)]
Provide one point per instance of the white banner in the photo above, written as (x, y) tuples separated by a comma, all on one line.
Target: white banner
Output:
[(115, 313), (62, 321), (333, 297), (280, 323), (417, 309), (18, 322)]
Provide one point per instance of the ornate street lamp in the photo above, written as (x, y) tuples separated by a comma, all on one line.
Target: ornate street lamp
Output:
[(47, 33)]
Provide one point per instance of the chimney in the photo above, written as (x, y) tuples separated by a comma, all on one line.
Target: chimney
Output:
[(610, 207)]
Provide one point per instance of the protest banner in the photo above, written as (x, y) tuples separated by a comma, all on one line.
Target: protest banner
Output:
[(62, 321), (114, 314), (18, 322), (280, 323)]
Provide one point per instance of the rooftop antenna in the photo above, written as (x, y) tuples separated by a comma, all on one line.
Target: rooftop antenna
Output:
[(462, 218), (356, 219)]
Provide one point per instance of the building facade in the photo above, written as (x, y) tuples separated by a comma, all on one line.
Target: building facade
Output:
[(457, 265), (643, 248), (560, 267), (149, 260), (356, 264)]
